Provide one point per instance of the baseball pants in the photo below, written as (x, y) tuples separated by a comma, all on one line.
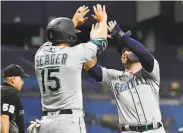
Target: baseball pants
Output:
[(63, 123)]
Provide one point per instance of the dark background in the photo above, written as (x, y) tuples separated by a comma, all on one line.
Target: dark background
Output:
[(162, 34)]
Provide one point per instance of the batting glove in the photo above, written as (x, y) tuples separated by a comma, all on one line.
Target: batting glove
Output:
[(114, 28), (34, 127)]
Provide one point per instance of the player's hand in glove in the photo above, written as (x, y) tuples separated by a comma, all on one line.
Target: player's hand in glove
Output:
[(34, 127), (111, 25), (79, 17), (114, 29)]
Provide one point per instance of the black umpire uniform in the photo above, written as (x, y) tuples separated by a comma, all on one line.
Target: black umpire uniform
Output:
[(11, 104)]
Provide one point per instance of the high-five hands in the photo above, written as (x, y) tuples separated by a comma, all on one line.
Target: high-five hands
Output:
[(100, 29), (94, 30), (111, 25), (100, 14), (79, 17)]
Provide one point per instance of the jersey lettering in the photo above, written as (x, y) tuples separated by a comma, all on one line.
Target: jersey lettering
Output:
[(130, 84), (58, 71), (51, 59)]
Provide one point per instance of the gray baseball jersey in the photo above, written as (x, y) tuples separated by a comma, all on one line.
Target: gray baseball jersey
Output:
[(137, 95), (58, 70)]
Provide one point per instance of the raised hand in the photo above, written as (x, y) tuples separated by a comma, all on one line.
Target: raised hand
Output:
[(79, 17), (111, 25), (99, 13), (94, 31), (99, 30)]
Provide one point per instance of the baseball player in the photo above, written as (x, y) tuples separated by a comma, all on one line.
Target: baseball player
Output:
[(58, 66), (136, 89)]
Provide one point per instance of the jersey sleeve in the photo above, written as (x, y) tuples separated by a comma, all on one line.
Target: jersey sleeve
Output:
[(109, 75), (87, 51), (8, 105), (155, 74)]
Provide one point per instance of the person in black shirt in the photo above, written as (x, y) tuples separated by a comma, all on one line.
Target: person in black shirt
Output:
[(12, 113)]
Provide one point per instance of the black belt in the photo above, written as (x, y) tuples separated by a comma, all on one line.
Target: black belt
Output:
[(141, 128), (64, 111)]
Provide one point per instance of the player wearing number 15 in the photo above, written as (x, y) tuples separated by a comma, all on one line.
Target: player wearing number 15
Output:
[(12, 120), (58, 66)]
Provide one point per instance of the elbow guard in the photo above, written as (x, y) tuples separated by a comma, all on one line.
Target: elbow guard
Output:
[(101, 43)]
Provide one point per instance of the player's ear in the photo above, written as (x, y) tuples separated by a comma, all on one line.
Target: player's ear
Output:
[(13, 79)]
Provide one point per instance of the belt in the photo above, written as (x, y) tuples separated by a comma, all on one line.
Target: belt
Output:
[(64, 111), (140, 128)]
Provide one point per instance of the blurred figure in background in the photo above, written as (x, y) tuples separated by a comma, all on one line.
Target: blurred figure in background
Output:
[(12, 112)]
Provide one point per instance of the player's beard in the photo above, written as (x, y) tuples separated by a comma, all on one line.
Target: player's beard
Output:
[(128, 64)]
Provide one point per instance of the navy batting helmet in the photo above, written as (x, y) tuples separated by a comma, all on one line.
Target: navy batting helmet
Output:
[(61, 30)]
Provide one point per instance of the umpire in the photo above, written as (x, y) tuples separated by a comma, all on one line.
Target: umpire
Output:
[(12, 113)]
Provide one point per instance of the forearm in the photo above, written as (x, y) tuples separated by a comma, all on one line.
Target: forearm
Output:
[(124, 40), (96, 72), (5, 124), (90, 64), (103, 28), (101, 37), (119, 43), (145, 57)]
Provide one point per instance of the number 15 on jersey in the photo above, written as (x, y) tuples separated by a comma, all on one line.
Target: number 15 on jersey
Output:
[(48, 78)]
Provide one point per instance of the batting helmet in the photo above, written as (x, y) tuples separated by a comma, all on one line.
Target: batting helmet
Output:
[(61, 30)]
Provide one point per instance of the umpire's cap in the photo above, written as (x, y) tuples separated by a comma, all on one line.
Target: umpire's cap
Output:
[(14, 70), (61, 30)]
